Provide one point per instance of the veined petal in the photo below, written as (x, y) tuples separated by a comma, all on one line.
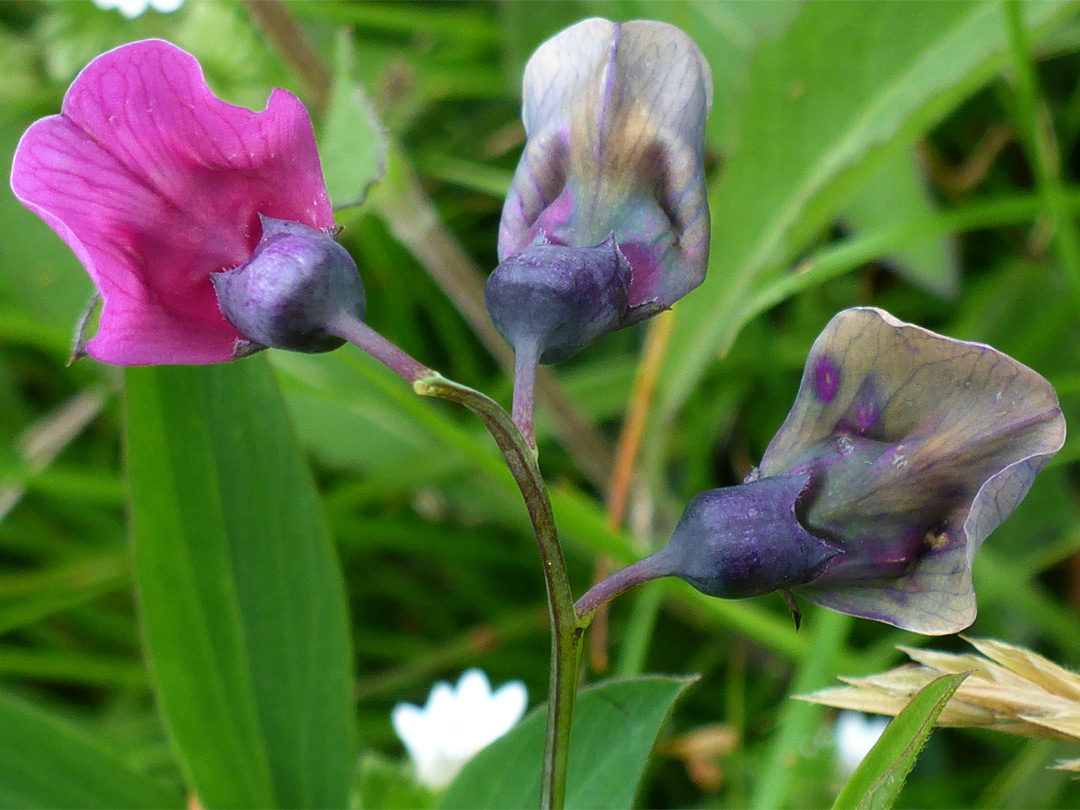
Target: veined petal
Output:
[(155, 183), (920, 446), (615, 117)]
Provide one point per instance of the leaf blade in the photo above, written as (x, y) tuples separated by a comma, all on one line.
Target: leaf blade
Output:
[(352, 142), (607, 756), (241, 599), (48, 762), (898, 192), (878, 780)]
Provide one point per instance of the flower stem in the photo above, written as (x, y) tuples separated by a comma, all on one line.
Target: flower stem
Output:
[(566, 631), (350, 328), (520, 456), (526, 360), (645, 570)]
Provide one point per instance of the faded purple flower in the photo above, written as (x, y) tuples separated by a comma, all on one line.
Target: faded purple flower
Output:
[(903, 451), (156, 184), (615, 117)]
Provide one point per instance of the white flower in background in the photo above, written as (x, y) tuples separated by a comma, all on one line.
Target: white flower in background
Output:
[(456, 724), (856, 734), (133, 8)]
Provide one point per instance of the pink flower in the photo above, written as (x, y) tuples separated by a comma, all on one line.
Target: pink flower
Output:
[(156, 183)]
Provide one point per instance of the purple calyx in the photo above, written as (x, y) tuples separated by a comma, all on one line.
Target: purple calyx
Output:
[(293, 291), (549, 300), (748, 540)]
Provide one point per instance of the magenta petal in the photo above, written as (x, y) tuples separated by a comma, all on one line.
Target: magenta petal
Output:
[(155, 183)]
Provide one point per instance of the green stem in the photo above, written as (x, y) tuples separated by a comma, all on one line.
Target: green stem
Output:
[(520, 456), (566, 631)]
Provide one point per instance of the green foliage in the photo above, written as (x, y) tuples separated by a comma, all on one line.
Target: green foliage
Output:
[(877, 781), (894, 76), (353, 145), (615, 728), (239, 591), (899, 192), (390, 785), (838, 132), (47, 762)]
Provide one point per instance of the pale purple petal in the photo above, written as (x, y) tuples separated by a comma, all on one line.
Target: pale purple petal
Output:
[(615, 115), (155, 183)]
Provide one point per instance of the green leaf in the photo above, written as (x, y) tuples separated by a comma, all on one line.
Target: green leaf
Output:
[(615, 726), (729, 32), (897, 192), (241, 597), (878, 780), (826, 102), (48, 762), (389, 785), (352, 143)]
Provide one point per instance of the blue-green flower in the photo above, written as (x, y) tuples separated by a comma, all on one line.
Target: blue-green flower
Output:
[(903, 451)]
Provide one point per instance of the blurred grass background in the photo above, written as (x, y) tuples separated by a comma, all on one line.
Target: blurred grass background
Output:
[(922, 158)]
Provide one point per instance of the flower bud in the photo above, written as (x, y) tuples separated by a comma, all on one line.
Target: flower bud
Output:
[(288, 294), (553, 299)]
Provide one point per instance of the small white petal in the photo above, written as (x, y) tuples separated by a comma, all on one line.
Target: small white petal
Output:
[(508, 705), (455, 724), (410, 725), (473, 692), (441, 700), (166, 6), (855, 736), (131, 8)]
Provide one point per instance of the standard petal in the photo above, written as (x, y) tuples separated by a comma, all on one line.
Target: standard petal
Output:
[(155, 183), (615, 115), (920, 445)]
